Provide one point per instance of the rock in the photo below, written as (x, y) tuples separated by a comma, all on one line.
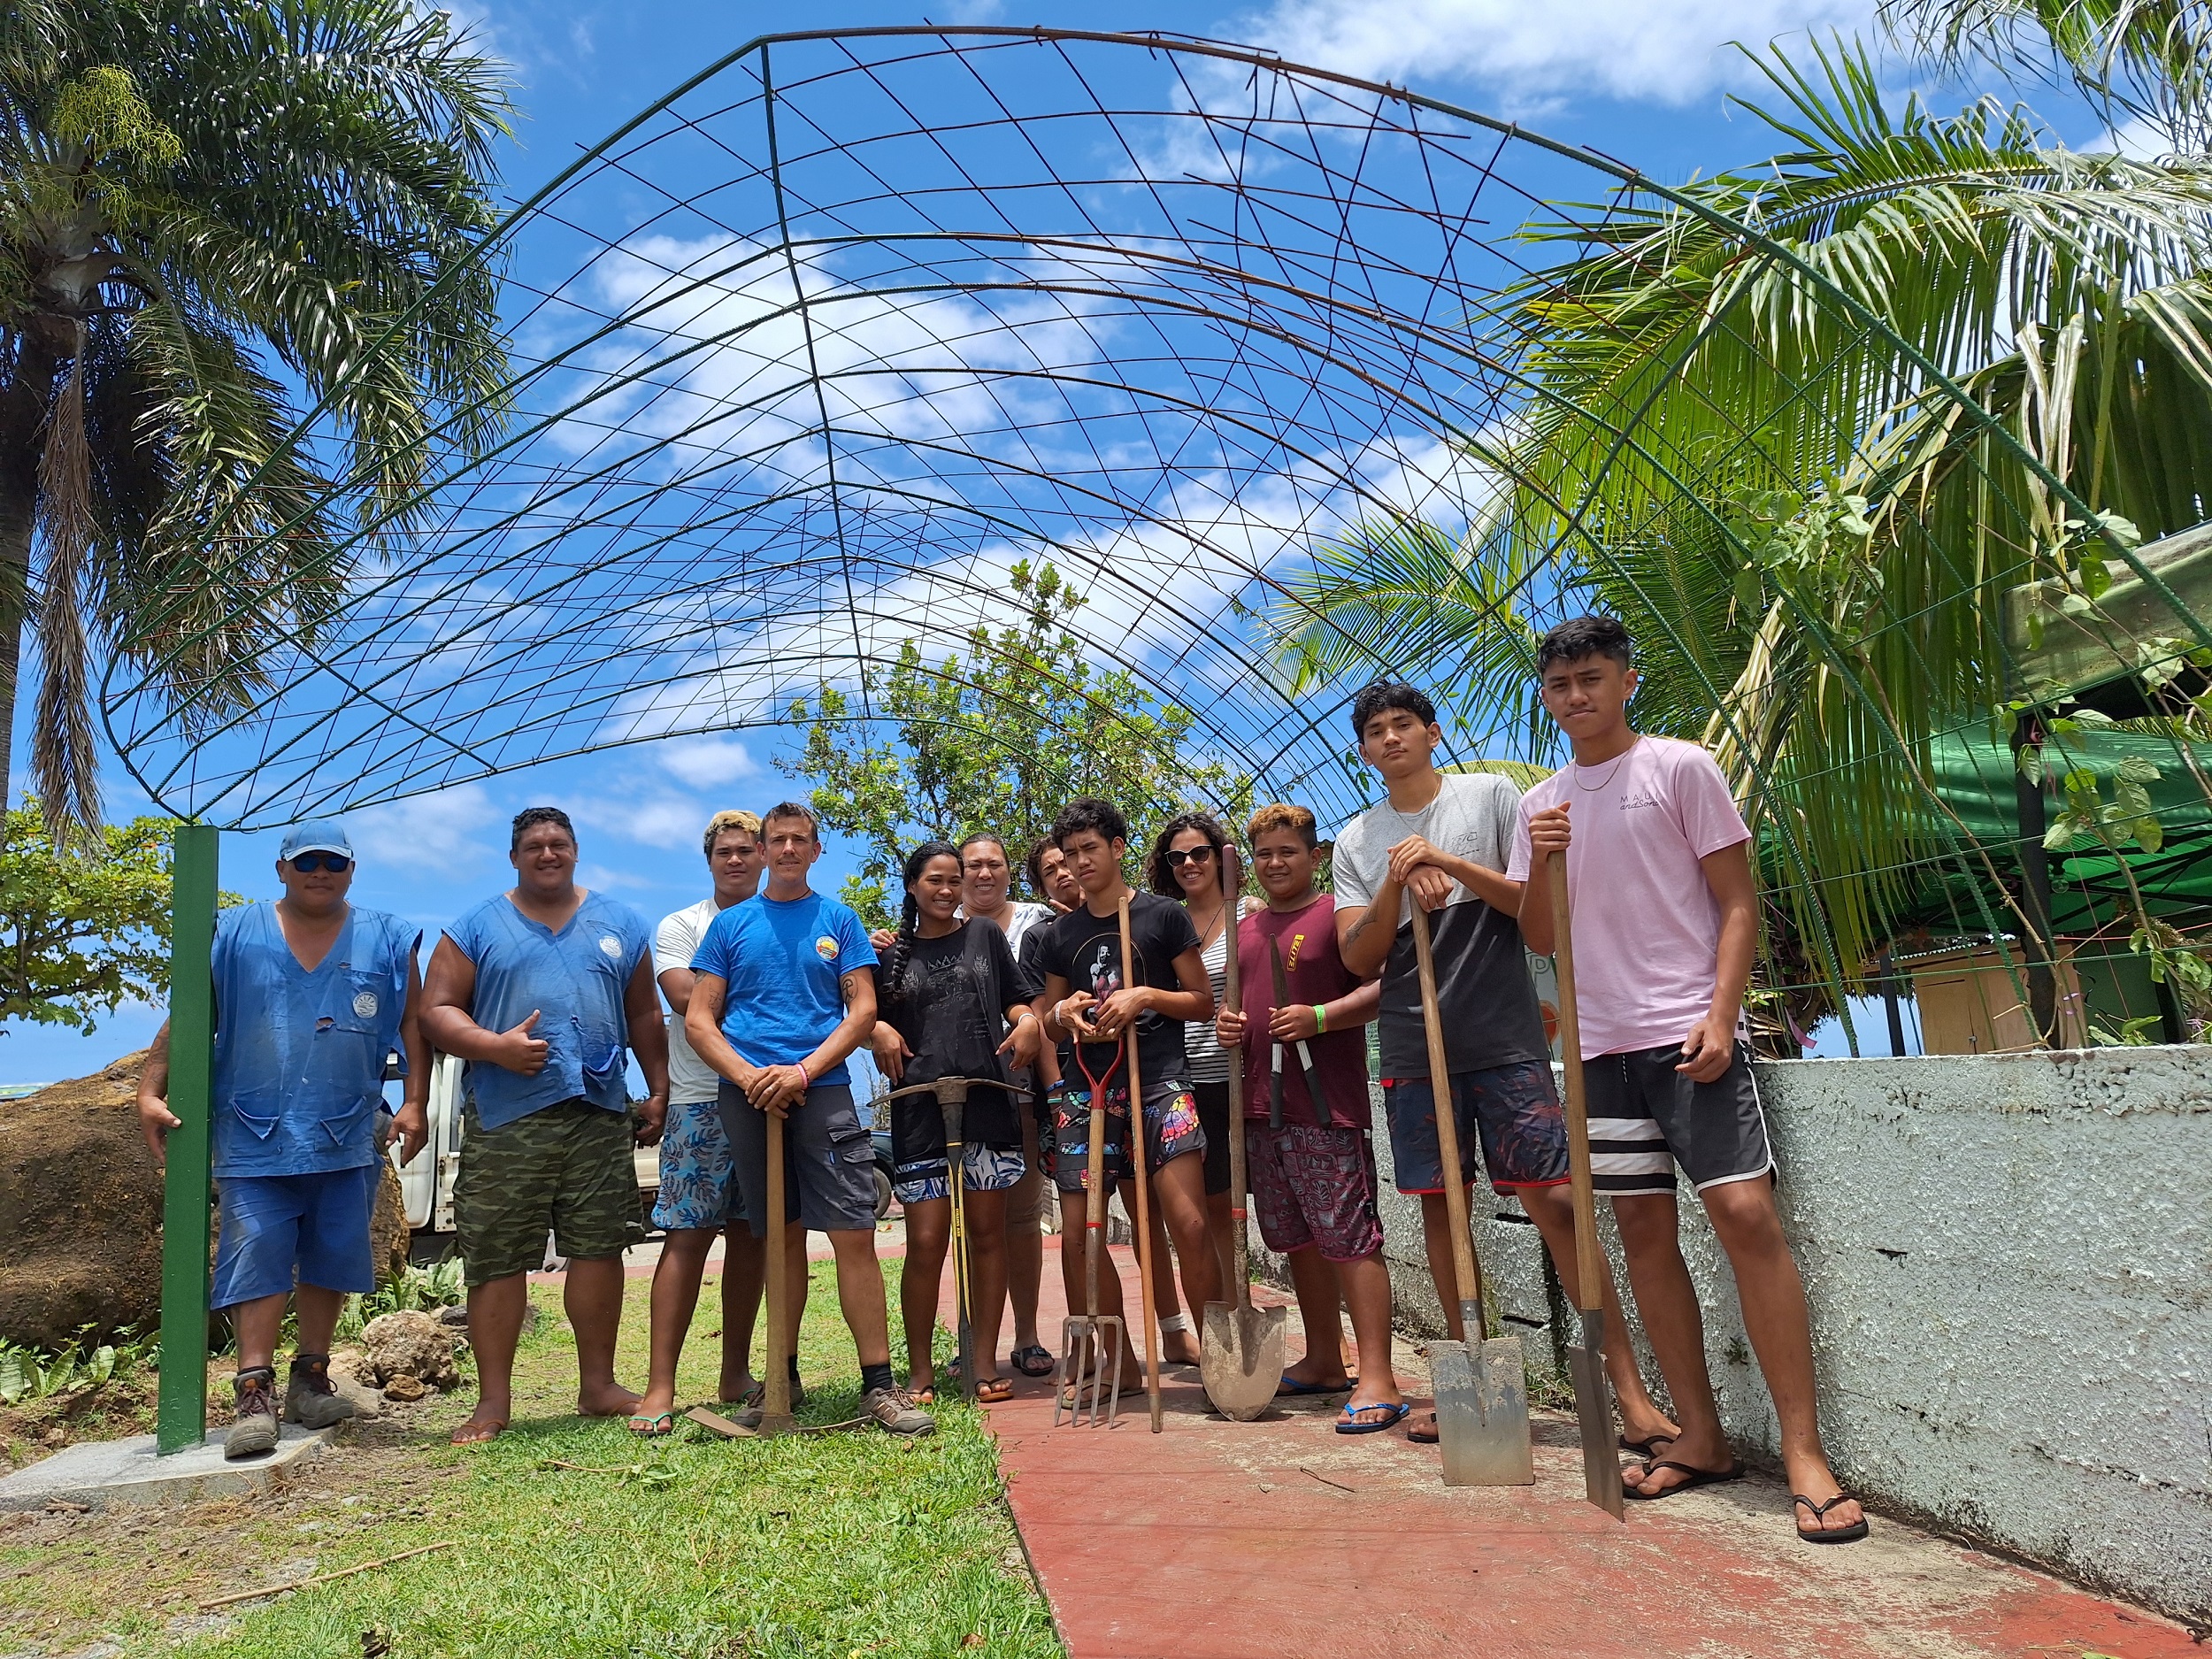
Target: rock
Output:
[(83, 1199), (355, 1379), (410, 1345), (387, 1227), (405, 1388), (457, 1314)]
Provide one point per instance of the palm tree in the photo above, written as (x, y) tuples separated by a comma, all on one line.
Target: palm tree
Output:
[(216, 215), (1743, 432)]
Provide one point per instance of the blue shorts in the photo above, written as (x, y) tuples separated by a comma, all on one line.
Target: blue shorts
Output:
[(1508, 1118), (982, 1170), (698, 1175), (277, 1228)]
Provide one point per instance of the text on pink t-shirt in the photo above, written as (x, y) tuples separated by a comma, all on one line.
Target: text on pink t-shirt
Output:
[(1647, 930)]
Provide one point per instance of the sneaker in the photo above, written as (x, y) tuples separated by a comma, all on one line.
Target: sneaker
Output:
[(754, 1400), (895, 1409), (310, 1399), (255, 1430)]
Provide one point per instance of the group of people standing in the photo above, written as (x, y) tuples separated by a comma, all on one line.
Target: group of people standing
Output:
[(546, 991)]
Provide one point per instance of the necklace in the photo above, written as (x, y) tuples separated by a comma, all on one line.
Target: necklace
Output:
[(1206, 933), (1575, 777)]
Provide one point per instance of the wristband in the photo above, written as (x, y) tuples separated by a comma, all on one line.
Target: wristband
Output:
[(804, 1080), (1320, 1019)]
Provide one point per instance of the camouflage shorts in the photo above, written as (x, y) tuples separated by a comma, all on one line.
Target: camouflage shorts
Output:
[(566, 1169)]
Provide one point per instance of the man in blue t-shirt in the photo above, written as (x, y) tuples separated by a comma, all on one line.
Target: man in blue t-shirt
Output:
[(544, 990), (785, 991), (311, 994)]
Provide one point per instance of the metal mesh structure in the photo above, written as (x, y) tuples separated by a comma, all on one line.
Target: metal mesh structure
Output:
[(853, 322)]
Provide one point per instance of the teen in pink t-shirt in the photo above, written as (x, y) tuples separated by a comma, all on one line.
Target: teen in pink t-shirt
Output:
[(1666, 921)]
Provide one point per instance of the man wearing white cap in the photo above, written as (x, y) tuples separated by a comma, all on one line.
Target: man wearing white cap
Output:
[(311, 994)]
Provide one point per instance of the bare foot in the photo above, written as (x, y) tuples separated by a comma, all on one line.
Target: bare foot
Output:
[(479, 1429), (1648, 1429), (608, 1400), (1315, 1372), (1181, 1347), (729, 1394)]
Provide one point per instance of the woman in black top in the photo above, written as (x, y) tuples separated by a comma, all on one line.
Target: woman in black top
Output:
[(948, 992)]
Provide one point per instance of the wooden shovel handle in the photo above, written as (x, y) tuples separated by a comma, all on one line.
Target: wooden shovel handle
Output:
[(1589, 1257), (1138, 1173), (1447, 1118), (775, 1395), (1240, 1170)]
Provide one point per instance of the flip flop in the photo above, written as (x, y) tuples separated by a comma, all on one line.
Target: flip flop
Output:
[(1850, 1534), (1645, 1449), (1034, 1361), (1348, 1422), (992, 1390), (1291, 1387), (1424, 1433), (1697, 1478), (652, 1428)]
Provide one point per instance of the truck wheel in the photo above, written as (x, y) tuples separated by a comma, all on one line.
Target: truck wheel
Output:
[(883, 1193)]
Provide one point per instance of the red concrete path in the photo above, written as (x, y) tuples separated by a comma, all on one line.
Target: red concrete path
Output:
[(1279, 1538)]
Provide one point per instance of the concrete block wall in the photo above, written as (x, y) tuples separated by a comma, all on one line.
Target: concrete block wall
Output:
[(2009, 1259)]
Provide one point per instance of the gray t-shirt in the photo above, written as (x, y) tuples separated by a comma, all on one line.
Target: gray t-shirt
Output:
[(1489, 1005), (689, 1078)]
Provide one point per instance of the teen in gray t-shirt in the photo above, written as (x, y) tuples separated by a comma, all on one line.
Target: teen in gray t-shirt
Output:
[(1491, 1016)]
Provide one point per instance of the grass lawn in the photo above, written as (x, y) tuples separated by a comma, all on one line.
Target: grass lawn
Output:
[(691, 1548)]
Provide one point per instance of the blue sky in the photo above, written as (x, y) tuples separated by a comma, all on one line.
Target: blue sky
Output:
[(1644, 81)]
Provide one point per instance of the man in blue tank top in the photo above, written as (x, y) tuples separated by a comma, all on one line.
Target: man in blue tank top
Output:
[(545, 990), (311, 996)]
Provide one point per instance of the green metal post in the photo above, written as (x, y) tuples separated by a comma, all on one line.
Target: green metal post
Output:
[(181, 1421)]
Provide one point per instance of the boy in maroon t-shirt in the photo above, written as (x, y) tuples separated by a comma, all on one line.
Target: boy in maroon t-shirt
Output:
[(1313, 1179)]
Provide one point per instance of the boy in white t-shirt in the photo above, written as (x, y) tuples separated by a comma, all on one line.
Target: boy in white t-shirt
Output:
[(1664, 927)]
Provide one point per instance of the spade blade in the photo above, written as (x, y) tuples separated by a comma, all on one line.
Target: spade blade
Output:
[(1242, 1358), (1593, 1411), (1482, 1413)]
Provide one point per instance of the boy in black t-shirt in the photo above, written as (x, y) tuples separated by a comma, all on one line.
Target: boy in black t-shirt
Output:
[(1088, 997)]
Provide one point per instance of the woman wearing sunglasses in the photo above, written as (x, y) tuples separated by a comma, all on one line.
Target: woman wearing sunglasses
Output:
[(1186, 865)]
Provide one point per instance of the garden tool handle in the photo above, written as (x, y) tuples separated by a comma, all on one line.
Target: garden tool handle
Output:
[(1463, 1272), (1240, 1170), (1589, 1256), (1141, 1179)]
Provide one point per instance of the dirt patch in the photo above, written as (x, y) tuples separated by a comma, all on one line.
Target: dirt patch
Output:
[(83, 1199)]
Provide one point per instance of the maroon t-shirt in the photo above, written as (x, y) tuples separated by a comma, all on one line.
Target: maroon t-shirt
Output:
[(1316, 973)]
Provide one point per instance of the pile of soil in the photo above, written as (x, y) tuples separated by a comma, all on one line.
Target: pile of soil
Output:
[(81, 1198)]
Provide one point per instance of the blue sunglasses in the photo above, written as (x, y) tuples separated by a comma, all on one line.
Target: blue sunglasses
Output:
[(308, 864)]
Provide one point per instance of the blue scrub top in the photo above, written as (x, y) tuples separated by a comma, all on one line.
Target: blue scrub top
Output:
[(575, 979), (781, 960), (299, 1055)]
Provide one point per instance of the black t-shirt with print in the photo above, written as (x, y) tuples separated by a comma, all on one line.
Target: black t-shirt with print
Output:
[(1085, 951), (950, 1006)]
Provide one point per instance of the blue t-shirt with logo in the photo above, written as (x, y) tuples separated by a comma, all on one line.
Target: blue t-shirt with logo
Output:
[(576, 979), (781, 959)]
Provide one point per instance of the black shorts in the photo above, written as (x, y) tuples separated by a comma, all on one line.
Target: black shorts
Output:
[(1213, 1118), (1646, 1118)]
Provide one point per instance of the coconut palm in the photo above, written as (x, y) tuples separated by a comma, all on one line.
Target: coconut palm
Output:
[(1742, 434), (218, 218)]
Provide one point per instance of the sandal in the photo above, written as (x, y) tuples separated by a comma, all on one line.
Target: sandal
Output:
[(1423, 1432), (1034, 1361), (1290, 1388), (1645, 1449), (926, 1395), (652, 1427), (1850, 1534), (991, 1390), (1349, 1420), (473, 1432), (1697, 1478)]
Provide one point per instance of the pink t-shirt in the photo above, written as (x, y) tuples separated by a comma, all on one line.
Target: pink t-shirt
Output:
[(1647, 930)]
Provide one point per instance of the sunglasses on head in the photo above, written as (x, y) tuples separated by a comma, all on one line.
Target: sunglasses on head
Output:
[(1177, 856), (308, 864)]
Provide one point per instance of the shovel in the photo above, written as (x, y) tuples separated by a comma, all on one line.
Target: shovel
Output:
[(1241, 1356), (1481, 1387), (951, 1093), (775, 1394), (1086, 1337), (1138, 1160), (1585, 1363)]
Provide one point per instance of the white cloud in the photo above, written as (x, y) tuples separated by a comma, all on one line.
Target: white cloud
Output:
[(444, 833), (707, 762), (1666, 51)]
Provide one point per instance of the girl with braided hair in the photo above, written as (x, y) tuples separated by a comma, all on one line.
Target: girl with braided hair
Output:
[(952, 1002)]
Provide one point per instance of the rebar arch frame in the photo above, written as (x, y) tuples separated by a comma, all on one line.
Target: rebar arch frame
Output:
[(947, 294)]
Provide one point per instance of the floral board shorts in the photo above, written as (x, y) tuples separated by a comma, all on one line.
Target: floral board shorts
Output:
[(1171, 1130), (698, 1175), (982, 1170), (1315, 1187)]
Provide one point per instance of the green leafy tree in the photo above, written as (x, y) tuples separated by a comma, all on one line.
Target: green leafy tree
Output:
[(997, 737), (215, 214), (79, 936)]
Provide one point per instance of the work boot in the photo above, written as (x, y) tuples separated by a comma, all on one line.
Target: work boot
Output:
[(255, 1429), (312, 1400), (895, 1409)]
